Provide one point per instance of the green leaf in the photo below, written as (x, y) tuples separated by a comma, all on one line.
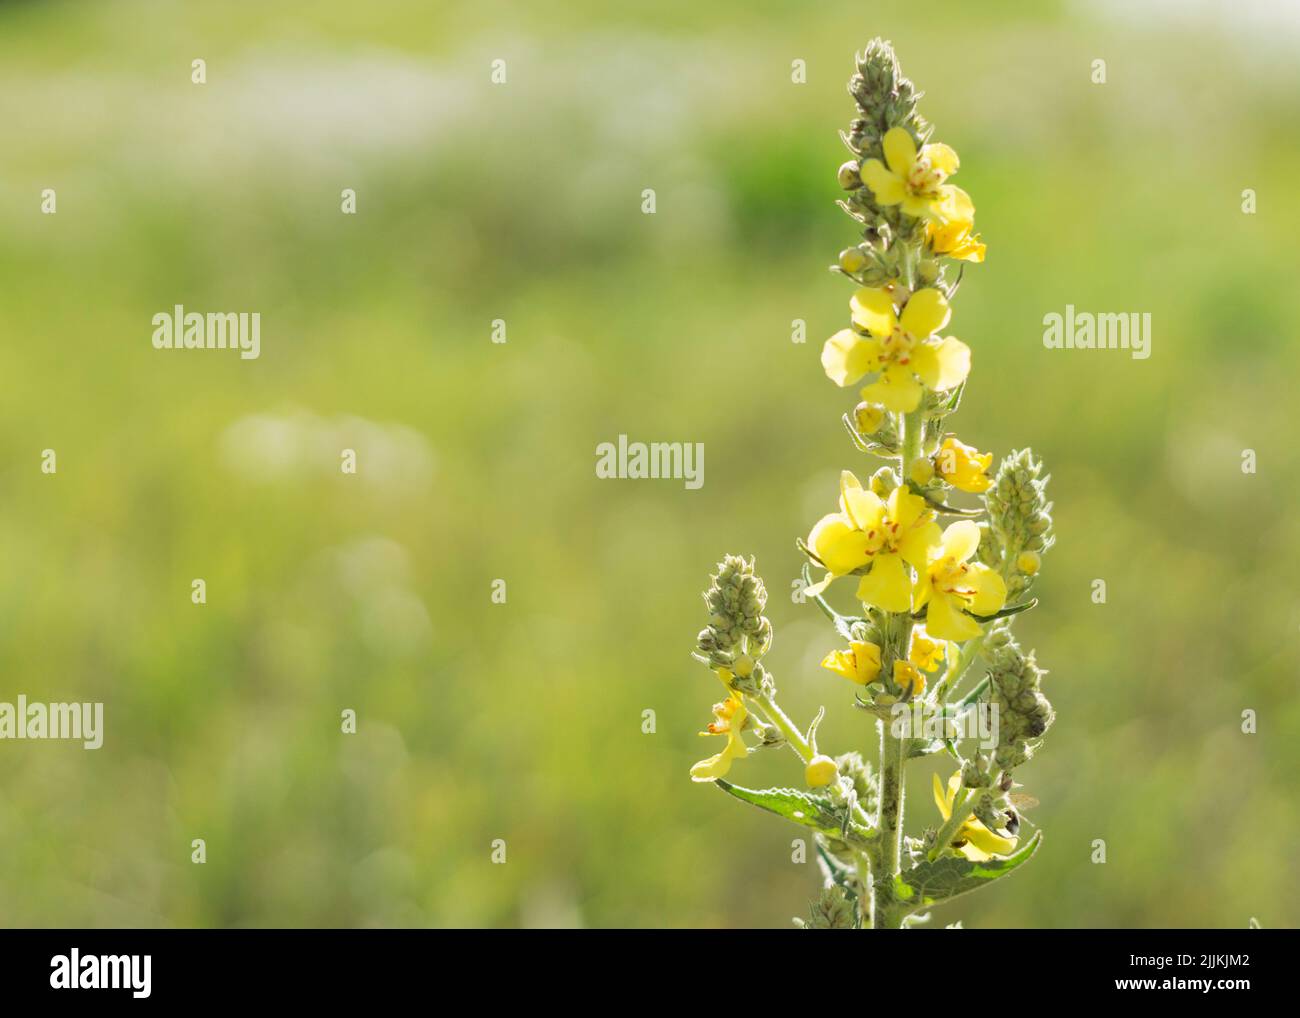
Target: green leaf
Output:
[(814, 811), (951, 876)]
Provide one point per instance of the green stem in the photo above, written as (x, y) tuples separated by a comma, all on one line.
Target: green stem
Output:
[(784, 725), (961, 811), (890, 824), (910, 444), (958, 668), (866, 900)]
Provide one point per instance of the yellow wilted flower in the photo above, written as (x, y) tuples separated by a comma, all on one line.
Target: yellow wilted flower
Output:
[(925, 653), (860, 663), (975, 841), (949, 585), (868, 533), (963, 466), (912, 179), (908, 678), (956, 238), (899, 347), (729, 718)]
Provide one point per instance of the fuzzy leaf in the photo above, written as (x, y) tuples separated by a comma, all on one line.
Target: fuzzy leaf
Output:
[(814, 811), (951, 876)]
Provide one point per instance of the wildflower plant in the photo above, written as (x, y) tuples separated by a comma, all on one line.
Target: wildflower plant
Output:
[(929, 652)]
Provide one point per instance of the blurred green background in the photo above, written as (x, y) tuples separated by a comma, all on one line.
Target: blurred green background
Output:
[(521, 202)]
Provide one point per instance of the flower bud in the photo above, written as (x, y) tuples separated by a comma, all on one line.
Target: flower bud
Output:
[(921, 472), (849, 176), (821, 771), (1029, 563), (852, 259), (868, 417)]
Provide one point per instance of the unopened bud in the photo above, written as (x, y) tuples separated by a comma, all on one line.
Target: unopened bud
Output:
[(852, 259), (868, 417), (921, 472), (821, 771)]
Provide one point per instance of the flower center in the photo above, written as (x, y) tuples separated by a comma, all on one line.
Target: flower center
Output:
[(896, 348), (924, 180), (952, 578)]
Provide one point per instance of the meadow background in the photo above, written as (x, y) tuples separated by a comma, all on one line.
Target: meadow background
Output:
[(522, 202)]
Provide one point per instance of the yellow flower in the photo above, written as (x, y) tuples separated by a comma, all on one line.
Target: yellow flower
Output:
[(729, 719), (899, 347), (860, 663), (975, 841), (950, 585), (925, 653), (963, 466), (912, 179), (908, 678), (956, 238), (878, 537), (821, 771)]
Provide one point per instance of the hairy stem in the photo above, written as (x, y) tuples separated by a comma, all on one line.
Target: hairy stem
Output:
[(778, 717)]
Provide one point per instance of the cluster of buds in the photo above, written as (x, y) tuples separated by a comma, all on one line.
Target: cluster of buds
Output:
[(1024, 713), (885, 99), (866, 784), (737, 626), (1020, 520)]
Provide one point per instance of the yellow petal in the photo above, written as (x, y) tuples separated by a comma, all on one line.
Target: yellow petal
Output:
[(927, 311), (873, 310), (897, 389), (846, 357), (944, 620), (887, 585), (990, 590), (885, 186), (840, 546), (985, 841), (961, 539), (942, 158), (941, 800), (864, 508), (954, 363), (841, 663), (925, 362), (866, 657), (960, 205), (920, 207), (905, 507), (712, 768), (915, 545), (900, 150)]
